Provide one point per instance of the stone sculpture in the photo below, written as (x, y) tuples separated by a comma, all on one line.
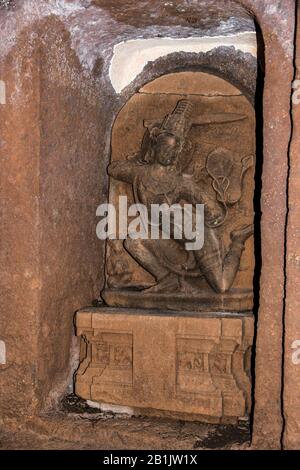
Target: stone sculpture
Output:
[(157, 174)]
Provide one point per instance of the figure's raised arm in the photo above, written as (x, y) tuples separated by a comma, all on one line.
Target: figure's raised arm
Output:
[(125, 170)]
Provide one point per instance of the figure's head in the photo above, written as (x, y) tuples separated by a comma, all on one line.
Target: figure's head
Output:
[(163, 141), (166, 148)]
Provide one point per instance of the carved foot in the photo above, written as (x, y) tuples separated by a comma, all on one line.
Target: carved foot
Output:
[(187, 288), (242, 234), (169, 283)]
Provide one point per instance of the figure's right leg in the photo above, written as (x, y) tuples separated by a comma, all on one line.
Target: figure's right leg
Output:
[(149, 255), (143, 251)]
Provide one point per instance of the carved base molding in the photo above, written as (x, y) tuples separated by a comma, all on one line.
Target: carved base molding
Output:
[(192, 366), (203, 301)]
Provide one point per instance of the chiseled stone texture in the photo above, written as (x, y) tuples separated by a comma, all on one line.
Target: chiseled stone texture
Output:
[(192, 367), (94, 430), (291, 397), (20, 281), (278, 48), (51, 185)]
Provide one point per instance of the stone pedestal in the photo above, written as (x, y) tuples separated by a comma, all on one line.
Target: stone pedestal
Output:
[(189, 366)]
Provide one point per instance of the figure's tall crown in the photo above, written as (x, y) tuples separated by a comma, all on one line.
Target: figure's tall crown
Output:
[(179, 121)]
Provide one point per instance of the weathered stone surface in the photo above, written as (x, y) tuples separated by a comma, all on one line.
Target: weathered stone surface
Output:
[(70, 162), (20, 282), (201, 15), (92, 429), (291, 398), (191, 83), (268, 420), (48, 203), (166, 364)]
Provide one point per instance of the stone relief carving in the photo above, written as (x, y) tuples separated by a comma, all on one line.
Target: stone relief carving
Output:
[(108, 358), (201, 367), (169, 168), (117, 269), (206, 365)]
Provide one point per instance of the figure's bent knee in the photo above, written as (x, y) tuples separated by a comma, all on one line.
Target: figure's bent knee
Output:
[(134, 245), (220, 287), (129, 244)]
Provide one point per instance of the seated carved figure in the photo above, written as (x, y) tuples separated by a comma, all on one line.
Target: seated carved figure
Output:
[(157, 176)]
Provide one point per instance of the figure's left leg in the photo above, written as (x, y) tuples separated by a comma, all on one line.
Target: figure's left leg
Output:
[(219, 270), (150, 255)]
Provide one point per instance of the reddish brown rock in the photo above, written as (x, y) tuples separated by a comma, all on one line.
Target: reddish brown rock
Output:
[(49, 203), (291, 399), (268, 420), (20, 281)]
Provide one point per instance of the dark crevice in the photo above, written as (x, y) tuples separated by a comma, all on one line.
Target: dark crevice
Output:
[(225, 436), (257, 197)]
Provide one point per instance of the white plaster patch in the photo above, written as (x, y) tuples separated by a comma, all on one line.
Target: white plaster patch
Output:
[(130, 57), (122, 410), (2, 353), (2, 92), (94, 404), (296, 353)]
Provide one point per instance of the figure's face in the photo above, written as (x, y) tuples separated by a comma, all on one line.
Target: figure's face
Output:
[(166, 149)]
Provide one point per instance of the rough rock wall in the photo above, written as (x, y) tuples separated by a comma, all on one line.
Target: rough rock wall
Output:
[(20, 282), (291, 399)]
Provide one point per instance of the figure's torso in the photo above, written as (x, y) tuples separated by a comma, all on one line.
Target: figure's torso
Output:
[(157, 186)]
